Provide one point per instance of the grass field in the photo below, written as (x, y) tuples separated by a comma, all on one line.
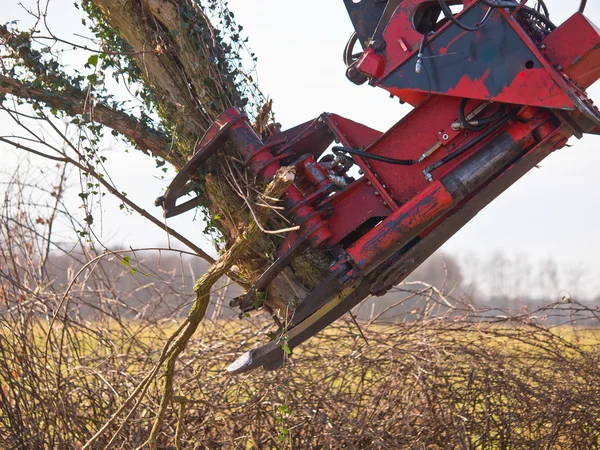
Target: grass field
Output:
[(430, 385)]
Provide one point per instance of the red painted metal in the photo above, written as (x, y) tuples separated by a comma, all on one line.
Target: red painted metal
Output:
[(433, 175), (371, 64), (538, 86), (395, 203), (403, 225), (575, 46)]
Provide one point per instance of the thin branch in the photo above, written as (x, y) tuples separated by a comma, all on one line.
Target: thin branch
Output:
[(74, 102)]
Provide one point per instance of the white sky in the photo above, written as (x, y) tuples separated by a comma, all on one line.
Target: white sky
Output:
[(553, 211)]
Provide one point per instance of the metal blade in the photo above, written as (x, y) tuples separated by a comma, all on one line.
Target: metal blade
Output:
[(246, 302), (272, 356)]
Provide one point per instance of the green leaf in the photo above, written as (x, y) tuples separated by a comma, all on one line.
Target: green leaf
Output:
[(286, 348), (93, 60), (126, 261)]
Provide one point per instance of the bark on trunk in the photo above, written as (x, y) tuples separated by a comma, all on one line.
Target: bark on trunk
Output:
[(182, 60)]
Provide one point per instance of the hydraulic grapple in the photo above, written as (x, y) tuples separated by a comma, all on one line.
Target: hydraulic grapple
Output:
[(495, 87)]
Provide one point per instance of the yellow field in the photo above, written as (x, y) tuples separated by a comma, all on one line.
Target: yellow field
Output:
[(427, 386)]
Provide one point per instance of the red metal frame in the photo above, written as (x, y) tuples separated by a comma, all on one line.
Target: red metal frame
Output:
[(380, 226)]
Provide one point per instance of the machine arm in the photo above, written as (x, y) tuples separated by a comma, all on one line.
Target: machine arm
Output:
[(495, 88)]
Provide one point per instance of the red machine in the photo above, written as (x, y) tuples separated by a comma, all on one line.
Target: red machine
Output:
[(496, 87)]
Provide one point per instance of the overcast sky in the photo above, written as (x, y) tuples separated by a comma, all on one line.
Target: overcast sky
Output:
[(553, 211)]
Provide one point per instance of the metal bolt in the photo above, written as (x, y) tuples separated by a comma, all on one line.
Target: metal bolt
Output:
[(559, 67), (542, 46), (352, 73), (445, 137), (385, 204), (378, 45), (368, 183), (376, 193)]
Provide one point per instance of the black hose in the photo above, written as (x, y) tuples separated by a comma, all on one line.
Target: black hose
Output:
[(470, 145), (363, 154), (348, 56), (525, 9), (419, 63), (542, 5), (539, 16), (499, 4), (450, 16), (582, 6), (481, 123)]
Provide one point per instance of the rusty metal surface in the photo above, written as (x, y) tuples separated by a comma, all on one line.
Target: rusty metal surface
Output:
[(523, 89)]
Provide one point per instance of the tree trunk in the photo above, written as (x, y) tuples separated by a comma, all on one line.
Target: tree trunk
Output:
[(183, 61), (188, 72)]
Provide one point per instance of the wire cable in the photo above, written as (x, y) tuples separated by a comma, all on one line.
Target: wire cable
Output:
[(450, 16), (470, 145), (349, 57), (360, 152), (419, 64), (477, 124), (582, 6), (542, 4), (525, 9)]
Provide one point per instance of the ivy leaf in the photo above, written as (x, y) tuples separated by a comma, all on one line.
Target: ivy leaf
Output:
[(93, 60)]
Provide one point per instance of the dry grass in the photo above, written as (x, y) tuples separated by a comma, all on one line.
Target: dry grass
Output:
[(460, 376), (412, 386)]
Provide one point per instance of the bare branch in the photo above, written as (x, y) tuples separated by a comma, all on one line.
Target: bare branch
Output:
[(75, 102)]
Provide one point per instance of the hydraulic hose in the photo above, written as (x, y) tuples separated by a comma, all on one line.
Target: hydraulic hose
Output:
[(348, 55), (363, 154), (481, 123), (525, 9), (470, 145), (450, 16)]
